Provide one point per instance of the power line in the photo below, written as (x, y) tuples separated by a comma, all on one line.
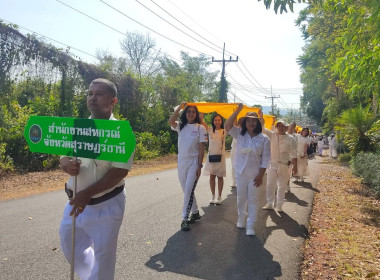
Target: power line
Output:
[(252, 75), (185, 25), (198, 24), (176, 26), (104, 24), (52, 39), (178, 43), (249, 79)]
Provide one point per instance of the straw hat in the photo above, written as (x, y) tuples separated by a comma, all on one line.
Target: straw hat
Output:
[(283, 122), (251, 115)]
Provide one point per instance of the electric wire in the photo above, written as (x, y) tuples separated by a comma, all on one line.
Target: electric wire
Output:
[(52, 39), (176, 26), (251, 74), (185, 25), (178, 43), (104, 24)]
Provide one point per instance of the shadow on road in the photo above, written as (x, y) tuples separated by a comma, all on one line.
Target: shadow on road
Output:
[(215, 249), (306, 185)]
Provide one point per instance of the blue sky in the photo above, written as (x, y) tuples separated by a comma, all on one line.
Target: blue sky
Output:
[(267, 44)]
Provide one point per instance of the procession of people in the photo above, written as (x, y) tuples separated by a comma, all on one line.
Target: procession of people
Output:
[(260, 158)]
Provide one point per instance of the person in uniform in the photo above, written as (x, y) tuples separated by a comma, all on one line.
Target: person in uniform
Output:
[(252, 159), (191, 144), (292, 132), (100, 199), (302, 159), (217, 167), (283, 153), (232, 158)]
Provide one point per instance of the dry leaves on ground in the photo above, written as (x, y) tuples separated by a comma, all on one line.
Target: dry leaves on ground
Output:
[(344, 229)]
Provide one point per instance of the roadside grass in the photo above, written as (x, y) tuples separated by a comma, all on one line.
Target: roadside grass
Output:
[(344, 228)]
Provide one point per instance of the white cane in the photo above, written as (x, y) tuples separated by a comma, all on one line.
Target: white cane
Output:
[(73, 233)]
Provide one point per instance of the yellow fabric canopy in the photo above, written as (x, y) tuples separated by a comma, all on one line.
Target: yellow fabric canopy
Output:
[(226, 110)]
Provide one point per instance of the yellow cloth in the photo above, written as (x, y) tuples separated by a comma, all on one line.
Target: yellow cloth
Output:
[(226, 110)]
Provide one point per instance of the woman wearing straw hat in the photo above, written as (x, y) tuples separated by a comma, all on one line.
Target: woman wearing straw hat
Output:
[(252, 159)]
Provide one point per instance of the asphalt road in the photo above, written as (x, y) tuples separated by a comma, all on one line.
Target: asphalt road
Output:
[(151, 245)]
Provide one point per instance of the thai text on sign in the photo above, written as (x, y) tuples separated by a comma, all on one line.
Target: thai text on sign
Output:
[(110, 140)]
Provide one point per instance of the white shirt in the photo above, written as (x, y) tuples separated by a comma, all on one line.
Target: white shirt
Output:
[(252, 153), (302, 141), (189, 138), (283, 148), (92, 170), (217, 141)]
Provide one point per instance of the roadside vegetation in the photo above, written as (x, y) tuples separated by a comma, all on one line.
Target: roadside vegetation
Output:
[(344, 227)]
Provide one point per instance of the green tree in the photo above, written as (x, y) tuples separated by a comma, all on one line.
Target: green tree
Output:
[(355, 124)]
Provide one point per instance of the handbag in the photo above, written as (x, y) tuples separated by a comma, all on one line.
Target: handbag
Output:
[(214, 158)]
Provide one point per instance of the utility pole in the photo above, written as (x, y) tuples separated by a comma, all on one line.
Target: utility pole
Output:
[(272, 97), (223, 82)]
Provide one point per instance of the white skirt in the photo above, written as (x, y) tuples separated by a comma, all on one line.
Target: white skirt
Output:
[(302, 166), (215, 168)]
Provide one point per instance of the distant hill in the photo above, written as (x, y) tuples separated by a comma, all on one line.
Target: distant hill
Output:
[(267, 109)]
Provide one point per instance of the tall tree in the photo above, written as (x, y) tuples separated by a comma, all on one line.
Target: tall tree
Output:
[(141, 53)]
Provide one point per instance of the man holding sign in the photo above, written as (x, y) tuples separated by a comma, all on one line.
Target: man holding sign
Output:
[(99, 202)]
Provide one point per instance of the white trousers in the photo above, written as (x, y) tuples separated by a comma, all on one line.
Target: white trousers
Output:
[(187, 168), (276, 180), (247, 199), (233, 154), (96, 234)]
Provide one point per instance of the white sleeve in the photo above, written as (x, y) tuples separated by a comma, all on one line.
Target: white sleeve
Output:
[(234, 131), (268, 132), (177, 127), (202, 134), (266, 153)]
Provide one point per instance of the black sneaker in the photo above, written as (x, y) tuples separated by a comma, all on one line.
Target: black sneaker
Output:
[(194, 217), (185, 225)]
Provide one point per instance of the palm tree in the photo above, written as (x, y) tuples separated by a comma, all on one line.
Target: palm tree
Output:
[(354, 125)]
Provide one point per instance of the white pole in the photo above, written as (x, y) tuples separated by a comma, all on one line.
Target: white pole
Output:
[(73, 234)]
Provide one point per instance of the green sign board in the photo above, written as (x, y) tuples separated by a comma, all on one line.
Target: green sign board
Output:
[(110, 140)]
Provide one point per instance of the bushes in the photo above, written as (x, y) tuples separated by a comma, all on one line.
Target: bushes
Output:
[(367, 166), (344, 158), (150, 146)]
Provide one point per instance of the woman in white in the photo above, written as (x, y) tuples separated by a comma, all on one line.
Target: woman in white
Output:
[(232, 158), (302, 164), (320, 146), (332, 146), (252, 159), (191, 142), (217, 140)]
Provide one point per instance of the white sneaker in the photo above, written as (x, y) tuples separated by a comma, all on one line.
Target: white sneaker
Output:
[(218, 200), (268, 207), (250, 232), (212, 201), (279, 209), (240, 223)]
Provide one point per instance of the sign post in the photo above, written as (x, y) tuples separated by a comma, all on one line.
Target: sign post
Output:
[(110, 140)]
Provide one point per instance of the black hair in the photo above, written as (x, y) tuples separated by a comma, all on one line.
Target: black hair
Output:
[(308, 131), (212, 121), (257, 130), (183, 118), (110, 85)]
